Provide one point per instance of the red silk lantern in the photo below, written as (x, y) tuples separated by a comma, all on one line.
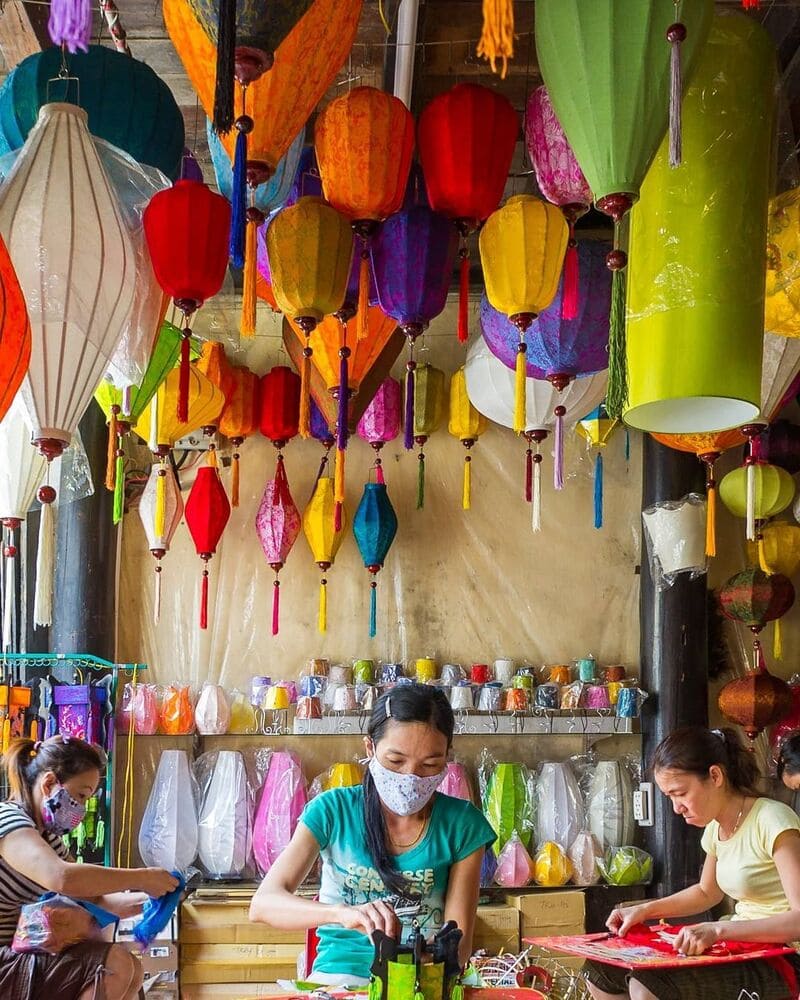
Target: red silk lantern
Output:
[(15, 332), (240, 417), (756, 700), (466, 142), (186, 228), (207, 512), (280, 406)]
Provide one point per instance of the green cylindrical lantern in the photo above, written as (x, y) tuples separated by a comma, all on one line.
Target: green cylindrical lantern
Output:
[(695, 306)]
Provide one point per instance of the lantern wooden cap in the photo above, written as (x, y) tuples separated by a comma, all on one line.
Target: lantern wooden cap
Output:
[(63, 108)]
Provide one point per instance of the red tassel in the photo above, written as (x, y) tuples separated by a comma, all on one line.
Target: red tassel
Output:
[(305, 393), (528, 475), (569, 294), (204, 600), (751, 4), (379, 473), (463, 296), (276, 605), (183, 384)]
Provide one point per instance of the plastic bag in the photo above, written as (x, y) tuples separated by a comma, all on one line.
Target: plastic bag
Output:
[(140, 703), (514, 864), (584, 855), (54, 923), (212, 715), (675, 531), (168, 832), (456, 782), (559, 809), (551, 866), (243, 718), (506, 798), (176, 715), (281, 801), (225, 817), (626, 866), (157, 913), (609, 804)]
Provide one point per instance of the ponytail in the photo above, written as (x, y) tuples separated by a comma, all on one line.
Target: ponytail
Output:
[(25, 760), (695, 749)]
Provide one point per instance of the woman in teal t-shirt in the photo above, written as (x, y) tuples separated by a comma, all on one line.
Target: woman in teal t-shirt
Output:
[(395, 852)]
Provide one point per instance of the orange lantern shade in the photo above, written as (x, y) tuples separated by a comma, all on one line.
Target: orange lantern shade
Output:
[(15, 332), (240, 417), (214, 365)]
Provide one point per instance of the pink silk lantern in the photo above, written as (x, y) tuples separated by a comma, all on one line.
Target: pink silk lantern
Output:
[(277, 527), (282, 800), (514, 865), (380, 422), (456, 782), (560, 180)]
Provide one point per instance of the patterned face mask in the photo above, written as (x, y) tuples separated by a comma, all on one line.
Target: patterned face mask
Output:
[(404, 794), (61, 814)]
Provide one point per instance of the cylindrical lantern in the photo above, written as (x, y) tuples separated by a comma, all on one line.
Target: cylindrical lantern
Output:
[(467, 424), (277, 527), (160, 510), (428, 401), (240, 418), (280, 405), (207, 512), (374, 527), (323, 538)]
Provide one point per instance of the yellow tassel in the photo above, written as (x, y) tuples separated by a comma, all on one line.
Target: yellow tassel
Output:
[(235, 479), (248, 320), (519, 393), (305, 396), (762, 558), (466, 490), (497, 38), (323, 608), (777, 640), (211, 458), (338, 477), (363, 296), (161, 503), (711, 521), (111, 456)]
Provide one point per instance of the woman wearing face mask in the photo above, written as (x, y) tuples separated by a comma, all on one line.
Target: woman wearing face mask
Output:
[(50, 784), (394, 851), (752, 848)]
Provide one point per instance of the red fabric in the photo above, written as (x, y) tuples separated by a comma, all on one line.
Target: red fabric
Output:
[(207, 510), (641, 934), (280, 404), (186, 228)]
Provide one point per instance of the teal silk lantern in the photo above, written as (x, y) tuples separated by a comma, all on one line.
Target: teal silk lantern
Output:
[(127, 103), (374, 527)]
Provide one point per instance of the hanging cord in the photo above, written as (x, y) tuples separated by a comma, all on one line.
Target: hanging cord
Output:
[(127, 789)]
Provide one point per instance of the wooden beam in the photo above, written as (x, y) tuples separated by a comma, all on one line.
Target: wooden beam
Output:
[(23, 31)]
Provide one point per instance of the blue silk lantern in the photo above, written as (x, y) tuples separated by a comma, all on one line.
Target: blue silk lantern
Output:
[(127, 103), (374, 527)]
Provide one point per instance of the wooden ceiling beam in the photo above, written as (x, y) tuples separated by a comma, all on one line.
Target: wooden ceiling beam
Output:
[(23, 31)]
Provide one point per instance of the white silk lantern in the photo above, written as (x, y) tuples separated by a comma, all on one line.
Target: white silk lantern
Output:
[(161, 510)]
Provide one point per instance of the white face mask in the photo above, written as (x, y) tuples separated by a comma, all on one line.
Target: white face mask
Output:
[(404, 794)]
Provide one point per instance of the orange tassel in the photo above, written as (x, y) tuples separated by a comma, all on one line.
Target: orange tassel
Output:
[(305, 394), (711, 520), (111, 456), (363, 296), (235, 479), (247, 325)]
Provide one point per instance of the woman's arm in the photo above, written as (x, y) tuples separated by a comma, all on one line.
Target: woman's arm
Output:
[(276, 904), (27, 853), (122, 904), (461, 902)]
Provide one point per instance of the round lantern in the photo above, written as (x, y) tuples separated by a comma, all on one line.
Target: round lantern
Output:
[(380, 421), (467, 137), (160, 510), (522, 249), (277, 527), (755, 701), (756, 491), (429, 401), (159, 424), (754, 598), (789, 723), (467, 424), (778, 548), (240, 417), (207, 512), (374, 527), (324, 538), (280, 405)]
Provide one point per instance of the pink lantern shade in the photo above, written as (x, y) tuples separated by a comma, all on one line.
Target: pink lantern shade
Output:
[(282, 799), (514, 865), (309, 707), (456, 782), (277, 527), (380, 422), (558, 173)]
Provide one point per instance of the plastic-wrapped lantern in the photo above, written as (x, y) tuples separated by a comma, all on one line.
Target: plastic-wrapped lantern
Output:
[(609, 810), (506, 804), (596, 428), (240, 417), (428, 404), (551, 866), (225, 818), (584, 853), (277, 527), (559, 813), (282, 798), (364, 141), (560, 180), (168, 832), (207, 512), (456, 782), (466, 424), (466, 141), (310, 248), (756, 491), (280, 405), (323, 538), (160, 510), (374, 527), (514, 864), (380, 421), (522, 249)]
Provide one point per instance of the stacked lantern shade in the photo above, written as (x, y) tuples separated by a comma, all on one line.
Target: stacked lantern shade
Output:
[(160, 510), (186, 228), (15, 332), (596, 428), (380, 421), (240, 417), (430, 407), (613, 101), (324, 538), (374, 527), (522, 249), (207, 512), (560, 180), (466, 142), (755, 598), (277, 527), (364, 141), (467, 424)]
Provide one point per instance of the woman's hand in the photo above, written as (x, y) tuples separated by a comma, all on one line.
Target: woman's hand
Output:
[(623, 918), (369, 917), (697, 939), (156, 882)]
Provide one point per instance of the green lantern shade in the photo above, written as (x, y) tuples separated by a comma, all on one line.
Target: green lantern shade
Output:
[(127, 103), (695, 308), (162, 361), (427, 398), (507, 804)]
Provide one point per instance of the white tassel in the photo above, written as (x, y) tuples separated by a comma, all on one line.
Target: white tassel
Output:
[(751, 503), (153, 442), (536, 504), (45, 564), (8, 604)]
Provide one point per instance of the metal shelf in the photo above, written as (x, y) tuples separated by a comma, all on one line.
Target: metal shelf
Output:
[(586, 722)]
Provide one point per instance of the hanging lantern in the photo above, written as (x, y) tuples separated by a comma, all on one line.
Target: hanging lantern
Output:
[(560, 181), (128, 104), (280, 405), (159, 425), (781, 445), (374, 527), (186, 228), (429, 404), (364, 141), (614, 100), (207, 512), (240, 417), (310, 249), (522, 249), (756, 491), (755, 701), (778, 549), (15, 333), (781, 312), (467, 424), (277, 527), (597, 427), (380, 422), (214, 365), (694, 353), (754, 598), (324, 539), (467, 138), (160, 510)]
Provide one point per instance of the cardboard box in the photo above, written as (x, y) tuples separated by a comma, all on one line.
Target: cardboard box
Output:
[(496, 928), (160, 958), (126, 925), (216, 921), (550, 908), (227, 991), (238, 963)]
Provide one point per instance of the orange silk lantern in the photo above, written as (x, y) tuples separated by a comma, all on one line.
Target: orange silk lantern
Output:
[(15, 332), (240, 418), (214, 365)]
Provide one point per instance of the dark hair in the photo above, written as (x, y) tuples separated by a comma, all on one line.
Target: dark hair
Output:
[(695, 749), (404, 703), (789, 756), (25, 760)]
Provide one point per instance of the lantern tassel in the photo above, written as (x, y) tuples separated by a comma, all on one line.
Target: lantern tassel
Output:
[(70, 24), (160, 517), (711, 519), (235, 479), (536, 507), (751, 4), (617, 395), (157, 594), (558, 464), (676, 33), (528, 475), (466, 488), (119, 488), (236, 239), (111, 454), (777, 640), (758, 656), (598, 491), (408, 427), (379, 473), (183, 381), (305, 394), (421, 480), (224, 83), (322, 621), (569, 292), (497, 37), (45, 559), (519, 390), (362, 310), (344, 399), (338, 489), (8, 602), (373, 610), (276, 605), (463, 294), (247, 325), (750, 510), (204, 600)]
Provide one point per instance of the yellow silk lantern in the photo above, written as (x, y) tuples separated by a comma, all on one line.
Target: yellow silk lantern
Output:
[(782, 303), (522, 249), (777, 549), (323, 538), (310, 249), (159, 424), (342, 775), (467, 424), (430, 405), (551, 866), (756, 491)]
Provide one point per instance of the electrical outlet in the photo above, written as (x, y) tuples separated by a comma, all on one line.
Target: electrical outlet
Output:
[(643, 804)]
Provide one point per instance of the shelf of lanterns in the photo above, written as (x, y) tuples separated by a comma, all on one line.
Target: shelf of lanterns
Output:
[(536, 722)]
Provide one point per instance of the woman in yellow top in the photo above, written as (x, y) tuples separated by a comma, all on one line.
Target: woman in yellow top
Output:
[(752, 847)]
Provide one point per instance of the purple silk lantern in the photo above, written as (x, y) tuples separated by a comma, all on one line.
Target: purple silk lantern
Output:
[(277, 527), (190, 168), (560, 180), (307, 180), (380, 422)]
